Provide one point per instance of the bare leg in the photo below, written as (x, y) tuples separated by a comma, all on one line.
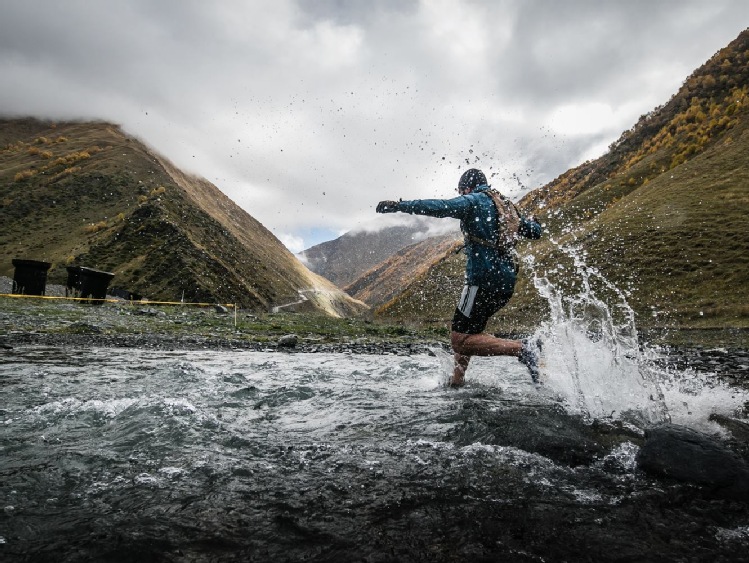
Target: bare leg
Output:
[(484, 345), (467, 345), (459, 372)]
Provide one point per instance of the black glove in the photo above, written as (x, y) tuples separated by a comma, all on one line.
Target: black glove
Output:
[(387, 207)]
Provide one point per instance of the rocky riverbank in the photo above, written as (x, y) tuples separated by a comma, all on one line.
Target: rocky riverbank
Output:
[(170, 342)]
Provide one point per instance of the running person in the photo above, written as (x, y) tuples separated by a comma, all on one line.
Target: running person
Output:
[(491, 226)]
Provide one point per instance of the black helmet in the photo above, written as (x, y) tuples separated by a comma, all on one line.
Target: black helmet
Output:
[(471, 178)]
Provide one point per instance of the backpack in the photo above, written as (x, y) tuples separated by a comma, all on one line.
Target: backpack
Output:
[(508, 224)]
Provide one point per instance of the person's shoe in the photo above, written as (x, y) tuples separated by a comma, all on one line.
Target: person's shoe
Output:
[(530, 355)]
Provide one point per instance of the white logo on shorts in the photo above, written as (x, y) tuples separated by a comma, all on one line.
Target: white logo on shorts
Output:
[(465, 305)]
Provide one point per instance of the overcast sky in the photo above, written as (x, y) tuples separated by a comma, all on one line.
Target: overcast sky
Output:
[(306, 113)]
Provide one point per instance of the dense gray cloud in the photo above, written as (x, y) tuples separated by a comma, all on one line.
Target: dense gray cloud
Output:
[(308, 113)]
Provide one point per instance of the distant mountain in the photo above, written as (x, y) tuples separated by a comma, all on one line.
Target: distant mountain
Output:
[(663, 214), (88, 194), (344, 259), (390, 277)]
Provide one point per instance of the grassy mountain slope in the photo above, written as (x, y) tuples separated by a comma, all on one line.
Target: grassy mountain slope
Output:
[(88, 194), (663, 214)]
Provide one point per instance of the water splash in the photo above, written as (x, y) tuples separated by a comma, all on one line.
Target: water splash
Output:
[(595, 363), (591, 350)]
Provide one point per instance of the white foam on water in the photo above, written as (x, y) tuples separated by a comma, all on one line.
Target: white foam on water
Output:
[(172, 472), (148, 480), (692, 397), (70, 406), (624, 455), (740, 534)]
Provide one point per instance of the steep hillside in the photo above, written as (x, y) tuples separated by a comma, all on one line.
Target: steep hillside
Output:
[(389, 278), (662, 214), (349, 256), (712, 101), (88, 194)]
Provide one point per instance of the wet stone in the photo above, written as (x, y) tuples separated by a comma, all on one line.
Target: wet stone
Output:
[(288, 341), (683, 454), (547, 431), (86, 327), (150, 312)]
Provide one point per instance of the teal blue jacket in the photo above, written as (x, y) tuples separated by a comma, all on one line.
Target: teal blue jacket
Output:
[(485, 266)]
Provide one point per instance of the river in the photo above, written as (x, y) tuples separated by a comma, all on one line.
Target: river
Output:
[(136, 455)]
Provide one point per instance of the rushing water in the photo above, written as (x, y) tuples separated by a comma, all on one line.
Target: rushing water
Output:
[(142, 455)]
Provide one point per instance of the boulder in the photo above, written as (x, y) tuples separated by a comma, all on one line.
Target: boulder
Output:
[(288, 341), (686, 455), (545, 430)]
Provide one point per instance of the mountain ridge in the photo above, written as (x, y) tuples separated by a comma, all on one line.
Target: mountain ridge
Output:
[(392, 276), (351, 255), (87, 193)]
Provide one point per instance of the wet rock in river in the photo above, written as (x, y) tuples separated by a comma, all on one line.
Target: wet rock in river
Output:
[(686, 455), (547, 431), (288, 341)]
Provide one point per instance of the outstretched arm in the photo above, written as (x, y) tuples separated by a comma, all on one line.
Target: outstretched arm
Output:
[(455, 207)]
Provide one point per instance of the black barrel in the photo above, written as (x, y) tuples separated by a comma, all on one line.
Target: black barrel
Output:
[(88, 283), (30, 277), (72, 287)]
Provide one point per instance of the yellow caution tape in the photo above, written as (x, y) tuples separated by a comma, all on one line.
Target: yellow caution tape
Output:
[(20, 296)]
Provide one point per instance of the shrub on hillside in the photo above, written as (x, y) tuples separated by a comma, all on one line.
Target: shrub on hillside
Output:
[(95, 227), (24, 175), (74, 157)]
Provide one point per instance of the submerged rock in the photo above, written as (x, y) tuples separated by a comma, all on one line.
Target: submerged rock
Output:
[(686, 455)]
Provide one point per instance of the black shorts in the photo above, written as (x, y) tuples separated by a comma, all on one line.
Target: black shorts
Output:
[(476, 306)]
